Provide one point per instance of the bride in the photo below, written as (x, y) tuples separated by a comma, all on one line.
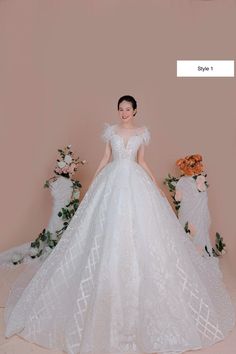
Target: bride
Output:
[(124, 277)]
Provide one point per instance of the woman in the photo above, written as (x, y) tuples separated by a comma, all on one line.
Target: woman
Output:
[(124, 277)]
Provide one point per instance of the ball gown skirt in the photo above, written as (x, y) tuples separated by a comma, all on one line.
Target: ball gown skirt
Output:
[(125, 277)]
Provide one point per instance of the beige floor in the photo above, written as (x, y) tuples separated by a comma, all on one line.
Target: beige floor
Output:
[(17, 345)]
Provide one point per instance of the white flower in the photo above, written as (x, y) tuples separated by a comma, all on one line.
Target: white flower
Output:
[(173, 183), (61, 164), (68, 159), (33, 251), (16, 257), (53, 236), (47, 249), (76, 194)]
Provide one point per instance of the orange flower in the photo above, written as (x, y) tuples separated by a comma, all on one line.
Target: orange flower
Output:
[(190, 165)]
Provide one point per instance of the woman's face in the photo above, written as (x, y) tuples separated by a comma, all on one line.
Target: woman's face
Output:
[(126, 111)]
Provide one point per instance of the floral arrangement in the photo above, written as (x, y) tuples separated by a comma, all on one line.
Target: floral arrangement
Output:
[(66, 166), (192, 166)]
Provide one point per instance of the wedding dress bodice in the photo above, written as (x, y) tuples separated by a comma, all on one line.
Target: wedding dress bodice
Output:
[(125, 146)]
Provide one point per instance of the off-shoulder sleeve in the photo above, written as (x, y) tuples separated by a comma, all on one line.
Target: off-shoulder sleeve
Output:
[(107, 132), (146, 136)]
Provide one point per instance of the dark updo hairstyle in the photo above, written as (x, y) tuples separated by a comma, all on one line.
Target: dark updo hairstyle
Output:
[(130, 99)]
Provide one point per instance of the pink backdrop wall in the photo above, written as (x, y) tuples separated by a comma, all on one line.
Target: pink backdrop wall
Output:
[(64, 64)]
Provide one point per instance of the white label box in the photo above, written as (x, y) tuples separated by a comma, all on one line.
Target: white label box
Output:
[(205, 68)]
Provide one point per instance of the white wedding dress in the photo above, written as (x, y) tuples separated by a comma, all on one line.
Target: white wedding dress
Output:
[(125, 277)]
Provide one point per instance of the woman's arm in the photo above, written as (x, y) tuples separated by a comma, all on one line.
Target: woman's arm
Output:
[(105, 159), (142, 162)]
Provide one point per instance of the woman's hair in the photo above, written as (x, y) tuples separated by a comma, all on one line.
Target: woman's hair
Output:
[(128, 98)]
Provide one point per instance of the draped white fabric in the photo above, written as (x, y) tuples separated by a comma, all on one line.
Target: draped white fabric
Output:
[(194, 209), (124, 277), (61, 190)]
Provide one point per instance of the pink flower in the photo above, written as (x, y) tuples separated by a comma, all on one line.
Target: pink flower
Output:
[(201, 186), (192, 229), (199, 249), (178, 195), (71, 168), (57, 169), (65, 169), (200, 182), (201, 178)]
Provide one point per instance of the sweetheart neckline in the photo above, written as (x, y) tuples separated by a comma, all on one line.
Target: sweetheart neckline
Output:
[(131, 136)]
